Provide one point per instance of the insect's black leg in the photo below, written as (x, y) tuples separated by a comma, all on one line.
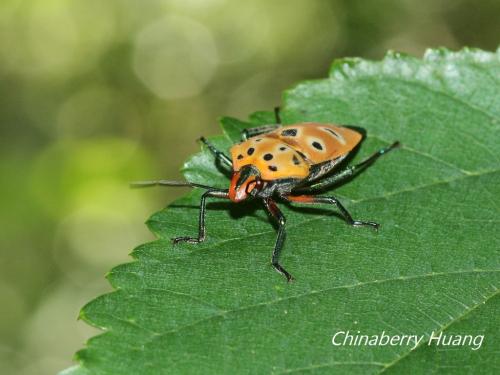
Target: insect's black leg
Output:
[(276, 214), (219, 155), (310, 199), (348, 172), (252, 132), (371, 159), (277, 115), (201, 230)]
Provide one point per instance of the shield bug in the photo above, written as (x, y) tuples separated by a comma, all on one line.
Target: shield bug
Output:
[(289, 163)]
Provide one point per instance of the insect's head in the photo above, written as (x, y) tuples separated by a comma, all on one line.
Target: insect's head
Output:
[(244, 183)]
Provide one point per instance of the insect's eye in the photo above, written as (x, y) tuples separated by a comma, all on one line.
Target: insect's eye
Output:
[(259, 184)]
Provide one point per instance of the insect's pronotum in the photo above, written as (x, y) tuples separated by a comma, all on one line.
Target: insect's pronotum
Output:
[(290, 163)]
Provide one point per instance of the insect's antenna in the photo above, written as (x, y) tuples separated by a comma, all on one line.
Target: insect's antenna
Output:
[(142, 184)]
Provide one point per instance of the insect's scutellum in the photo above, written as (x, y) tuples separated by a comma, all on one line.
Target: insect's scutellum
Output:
[(289, 163)]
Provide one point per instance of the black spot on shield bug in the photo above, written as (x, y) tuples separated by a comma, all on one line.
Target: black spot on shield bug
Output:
[(289, 133), (268, 157), (317, 145)]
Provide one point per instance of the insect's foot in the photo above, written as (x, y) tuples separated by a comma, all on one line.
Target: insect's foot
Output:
[(371, 224), (177, 240), (281, 270), (396, 144)]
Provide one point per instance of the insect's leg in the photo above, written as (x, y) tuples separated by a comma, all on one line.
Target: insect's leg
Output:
[(201, 229), (252, 132), (349, 171), (276, 214), (277, 114), (219, 155), (311, 199)]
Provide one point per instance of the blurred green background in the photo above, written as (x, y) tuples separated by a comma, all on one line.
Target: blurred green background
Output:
[(95, 94)]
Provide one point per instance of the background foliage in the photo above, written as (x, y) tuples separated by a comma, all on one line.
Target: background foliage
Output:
[(95, 94)]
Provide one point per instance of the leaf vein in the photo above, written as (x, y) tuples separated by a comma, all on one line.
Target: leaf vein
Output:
[(331, 364), (472, 308), (421, 84), (326, 290)]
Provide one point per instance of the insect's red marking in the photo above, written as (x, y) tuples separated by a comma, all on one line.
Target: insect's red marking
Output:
[(240, 193), (300, 198)]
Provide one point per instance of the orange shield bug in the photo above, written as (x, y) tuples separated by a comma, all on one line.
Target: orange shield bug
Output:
[(291, 163)]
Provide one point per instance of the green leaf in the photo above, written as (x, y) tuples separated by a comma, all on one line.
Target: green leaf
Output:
[(219, 307)]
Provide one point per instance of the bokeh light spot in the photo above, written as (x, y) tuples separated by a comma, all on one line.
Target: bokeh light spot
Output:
[(64, 170), (98, 110), (175, 57), (53, 37), (100, 235)]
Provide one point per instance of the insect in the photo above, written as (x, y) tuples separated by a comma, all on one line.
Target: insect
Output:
[(289, 163)]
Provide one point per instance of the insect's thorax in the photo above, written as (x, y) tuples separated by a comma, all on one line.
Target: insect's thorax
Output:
[(273, 158), (290, 151)]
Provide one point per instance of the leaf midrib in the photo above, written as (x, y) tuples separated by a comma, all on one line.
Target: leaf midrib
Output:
[(320, 291)]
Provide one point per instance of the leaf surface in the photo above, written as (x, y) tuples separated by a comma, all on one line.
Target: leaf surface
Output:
[(219, 307)]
